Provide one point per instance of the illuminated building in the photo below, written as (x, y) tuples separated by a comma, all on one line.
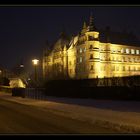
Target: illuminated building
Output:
[(87, 56)]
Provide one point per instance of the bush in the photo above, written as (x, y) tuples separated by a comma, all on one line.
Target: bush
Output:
[(4, 81), (20, 92)]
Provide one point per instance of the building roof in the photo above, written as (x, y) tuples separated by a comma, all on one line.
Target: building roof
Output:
[(61, 42), (124, 37)]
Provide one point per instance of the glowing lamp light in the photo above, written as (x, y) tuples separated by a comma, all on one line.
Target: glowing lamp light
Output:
[(21, 66), (35, 61)]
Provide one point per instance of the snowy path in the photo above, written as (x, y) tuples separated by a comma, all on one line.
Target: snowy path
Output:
[(118, 115)]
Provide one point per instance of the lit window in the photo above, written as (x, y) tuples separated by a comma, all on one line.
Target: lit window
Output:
[(122, 50), (80, 60), (91, 56), (127, 51), (137, 51), (80, 50), (112, 50), (131, 68), (132, 51)]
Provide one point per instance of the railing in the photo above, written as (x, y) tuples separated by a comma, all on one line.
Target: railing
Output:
[(35, 93)]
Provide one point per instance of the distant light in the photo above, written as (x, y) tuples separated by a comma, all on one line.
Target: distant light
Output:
[(35, 61), (21, 66)]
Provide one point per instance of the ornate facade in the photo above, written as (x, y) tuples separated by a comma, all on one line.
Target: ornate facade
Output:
[(86, 56)]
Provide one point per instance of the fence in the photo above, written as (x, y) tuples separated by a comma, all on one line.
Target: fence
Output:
[(113, 93), (35, 93)]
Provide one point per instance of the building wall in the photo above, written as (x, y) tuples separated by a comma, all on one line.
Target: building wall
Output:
[(87, 57)]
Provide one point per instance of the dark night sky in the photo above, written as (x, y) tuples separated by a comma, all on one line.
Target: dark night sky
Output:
[(24, 30)]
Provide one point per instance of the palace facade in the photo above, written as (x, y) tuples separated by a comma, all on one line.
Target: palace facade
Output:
[(90, 55)]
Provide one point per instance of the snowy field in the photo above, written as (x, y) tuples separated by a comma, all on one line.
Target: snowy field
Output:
[(119, 115)]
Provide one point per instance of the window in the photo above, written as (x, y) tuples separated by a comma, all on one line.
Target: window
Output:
[(135, 59), (104, 68), (74, 61), (123, 68), (113, 68), (80, 60), (134, 68), (127, 51), (84, 49), (101, 68), (91, 67), (137, 52), (90, 38), (70, 70), (112, 50), (91, 56), (70, 63), (122, 50), (132, 51), (90, 47), (132, 59), (123, 59), (80, 50), (117, 68)]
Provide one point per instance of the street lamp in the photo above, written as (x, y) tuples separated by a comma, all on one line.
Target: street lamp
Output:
[(35, 63)]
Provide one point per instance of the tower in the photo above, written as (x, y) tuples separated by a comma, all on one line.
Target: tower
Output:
[(84, 29)]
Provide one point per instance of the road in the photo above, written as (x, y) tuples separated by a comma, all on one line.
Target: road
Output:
[(25, 119)]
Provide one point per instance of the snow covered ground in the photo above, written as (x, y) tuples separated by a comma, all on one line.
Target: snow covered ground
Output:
[(119, 115)]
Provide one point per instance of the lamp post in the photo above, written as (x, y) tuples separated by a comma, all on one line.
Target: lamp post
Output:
[(35, 63)]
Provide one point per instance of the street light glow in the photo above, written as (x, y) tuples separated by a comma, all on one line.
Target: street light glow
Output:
[(35, 61)]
